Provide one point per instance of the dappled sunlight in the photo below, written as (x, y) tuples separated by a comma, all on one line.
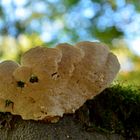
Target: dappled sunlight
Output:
[(12, 48), (135, 45), (8, 48), (130, 62)]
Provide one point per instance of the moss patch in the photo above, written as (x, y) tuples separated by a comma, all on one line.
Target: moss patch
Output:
[(115, 110)]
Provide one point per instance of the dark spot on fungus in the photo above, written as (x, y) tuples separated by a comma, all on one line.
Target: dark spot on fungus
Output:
[(77, 81), (20, 84), (39, 117), (8, 102), (56, 75), (31, 100), (34, 79), (43, 112)]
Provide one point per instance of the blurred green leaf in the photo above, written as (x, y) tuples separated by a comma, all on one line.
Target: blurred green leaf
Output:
[(70, 3), (108, 34)]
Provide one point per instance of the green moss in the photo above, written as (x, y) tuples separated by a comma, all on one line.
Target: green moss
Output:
[(116, 109)]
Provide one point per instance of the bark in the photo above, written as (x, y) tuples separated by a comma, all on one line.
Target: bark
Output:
[(68, 128)]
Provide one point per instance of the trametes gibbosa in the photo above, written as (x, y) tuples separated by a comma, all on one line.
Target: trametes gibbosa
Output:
[(51, 82)]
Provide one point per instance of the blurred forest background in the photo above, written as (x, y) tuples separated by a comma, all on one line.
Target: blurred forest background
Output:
[(28, 23)]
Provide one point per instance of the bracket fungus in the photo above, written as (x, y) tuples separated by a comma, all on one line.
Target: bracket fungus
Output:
[(50, 82)]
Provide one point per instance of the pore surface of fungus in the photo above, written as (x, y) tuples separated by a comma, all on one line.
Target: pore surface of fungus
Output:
[(52, 81)]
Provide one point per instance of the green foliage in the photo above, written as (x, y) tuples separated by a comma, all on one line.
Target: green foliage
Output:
[(42, 12), (136, 4), (115, 110), (108, 34), (70, 3)]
